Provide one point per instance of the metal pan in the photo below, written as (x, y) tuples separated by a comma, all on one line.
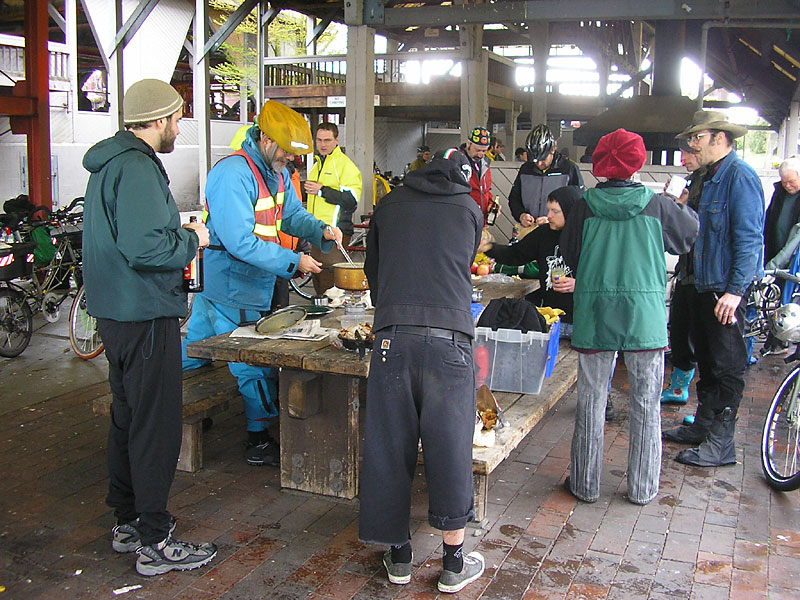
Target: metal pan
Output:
[(281, 320)]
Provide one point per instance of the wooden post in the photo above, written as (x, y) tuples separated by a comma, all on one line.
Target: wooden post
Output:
[(474, 78), (540, 42), (359, 122)]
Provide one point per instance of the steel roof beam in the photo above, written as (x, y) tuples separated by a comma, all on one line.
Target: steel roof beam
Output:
[(320, 27), (236, 18), (376, 12), (132, 25)]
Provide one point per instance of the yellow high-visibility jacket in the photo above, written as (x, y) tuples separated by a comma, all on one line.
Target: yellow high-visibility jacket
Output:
[(338, 173)]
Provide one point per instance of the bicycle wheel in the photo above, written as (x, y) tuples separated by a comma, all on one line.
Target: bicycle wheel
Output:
[(83, 335), (190, 302), (300, 285), (16, 323), (780, 440)]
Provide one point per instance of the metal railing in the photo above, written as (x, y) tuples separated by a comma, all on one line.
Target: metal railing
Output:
[(12, 61)]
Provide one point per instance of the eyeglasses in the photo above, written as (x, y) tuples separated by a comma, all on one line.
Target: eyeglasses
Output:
[(696, 137)]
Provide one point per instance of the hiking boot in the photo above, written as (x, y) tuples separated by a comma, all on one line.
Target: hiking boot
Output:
[(173, 555), (450, 582), (267, 452), (718, 449), (686, 434), (399, 573), (678, 390), (126, 537)]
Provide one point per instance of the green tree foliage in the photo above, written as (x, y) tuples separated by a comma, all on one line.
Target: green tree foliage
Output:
[(287, 35)]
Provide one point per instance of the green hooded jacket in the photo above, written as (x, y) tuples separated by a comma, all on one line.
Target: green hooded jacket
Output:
[(620, 309), (134, 249)]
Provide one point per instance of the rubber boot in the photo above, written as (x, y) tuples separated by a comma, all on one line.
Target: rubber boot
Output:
[(611, 413), (718, 450), (678, 390), (694, 434)]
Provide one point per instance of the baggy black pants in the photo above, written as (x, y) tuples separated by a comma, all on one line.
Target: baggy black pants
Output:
[(419, 387), (720, 351), (144, 438)]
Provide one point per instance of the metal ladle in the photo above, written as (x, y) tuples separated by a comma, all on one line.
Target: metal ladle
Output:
[(344, 253)]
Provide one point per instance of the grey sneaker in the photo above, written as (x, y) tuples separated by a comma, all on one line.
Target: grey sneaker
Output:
[(126, 538), (173, 555), (450, 582), (399, 573)]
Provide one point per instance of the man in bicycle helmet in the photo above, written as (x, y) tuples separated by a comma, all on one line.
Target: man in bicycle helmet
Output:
[(250, 206), (544, 171), (475, 149)]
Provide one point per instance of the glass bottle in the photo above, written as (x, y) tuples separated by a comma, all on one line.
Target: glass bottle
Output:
[(193, 272)]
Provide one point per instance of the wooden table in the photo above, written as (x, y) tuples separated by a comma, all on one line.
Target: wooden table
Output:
[(319, 398)]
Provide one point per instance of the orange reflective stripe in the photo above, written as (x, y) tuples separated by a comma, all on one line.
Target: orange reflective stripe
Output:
[(268, 210)]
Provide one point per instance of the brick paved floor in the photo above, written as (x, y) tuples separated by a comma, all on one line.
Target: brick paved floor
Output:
[(710, 533)]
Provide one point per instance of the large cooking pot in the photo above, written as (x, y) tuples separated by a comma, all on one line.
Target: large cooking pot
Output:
[(351, 277)]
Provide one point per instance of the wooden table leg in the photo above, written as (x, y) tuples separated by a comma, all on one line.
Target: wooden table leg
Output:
[(319, 433)]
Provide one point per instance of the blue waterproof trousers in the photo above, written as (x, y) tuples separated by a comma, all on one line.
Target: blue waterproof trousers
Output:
[(258, 385)]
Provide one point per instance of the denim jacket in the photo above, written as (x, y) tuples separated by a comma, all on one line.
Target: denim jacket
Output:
[(728, 253)]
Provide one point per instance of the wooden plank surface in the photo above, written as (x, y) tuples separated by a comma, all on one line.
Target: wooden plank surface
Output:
[(524, 411), (321, 357)]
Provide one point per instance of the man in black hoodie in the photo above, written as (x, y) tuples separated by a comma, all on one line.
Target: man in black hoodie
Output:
[(423, 237)]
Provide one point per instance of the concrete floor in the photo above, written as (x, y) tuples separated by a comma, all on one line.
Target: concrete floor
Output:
[(710, 533)]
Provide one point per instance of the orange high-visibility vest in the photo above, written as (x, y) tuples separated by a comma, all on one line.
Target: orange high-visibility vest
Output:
[(268, 210)]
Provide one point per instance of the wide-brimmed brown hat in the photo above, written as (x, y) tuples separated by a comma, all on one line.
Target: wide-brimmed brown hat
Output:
[(712, 119)]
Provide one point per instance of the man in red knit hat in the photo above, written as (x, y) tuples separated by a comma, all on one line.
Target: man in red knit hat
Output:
[(614, 241)]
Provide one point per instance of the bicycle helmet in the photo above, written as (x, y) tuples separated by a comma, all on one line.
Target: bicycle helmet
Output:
[(786, 323), (540, 143)]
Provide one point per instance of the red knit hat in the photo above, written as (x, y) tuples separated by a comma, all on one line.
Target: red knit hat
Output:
[(618, 155)]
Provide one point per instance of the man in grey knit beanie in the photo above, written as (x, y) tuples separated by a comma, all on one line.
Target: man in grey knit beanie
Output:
[(134, 253)]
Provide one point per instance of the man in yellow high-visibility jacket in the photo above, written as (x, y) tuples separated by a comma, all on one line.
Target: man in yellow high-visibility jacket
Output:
[(333, 189)]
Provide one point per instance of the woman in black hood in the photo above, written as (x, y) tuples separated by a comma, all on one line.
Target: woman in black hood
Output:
[(555, 281)]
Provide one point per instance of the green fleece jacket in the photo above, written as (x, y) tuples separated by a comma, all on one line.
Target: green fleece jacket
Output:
[(620, 293), (134, 249)]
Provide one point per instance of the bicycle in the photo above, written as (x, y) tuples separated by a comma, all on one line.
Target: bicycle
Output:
[(780, 438), (26, 289)]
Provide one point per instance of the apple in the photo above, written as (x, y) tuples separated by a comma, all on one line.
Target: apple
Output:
[(483, 269), (474, 268)]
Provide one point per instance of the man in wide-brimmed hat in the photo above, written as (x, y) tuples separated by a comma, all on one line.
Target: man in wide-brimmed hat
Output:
[(727, 259)]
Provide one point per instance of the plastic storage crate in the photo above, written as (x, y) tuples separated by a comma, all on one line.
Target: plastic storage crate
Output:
[(16, 261), (508, 360)]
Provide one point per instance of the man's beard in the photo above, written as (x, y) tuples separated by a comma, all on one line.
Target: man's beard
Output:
[(167, 144)]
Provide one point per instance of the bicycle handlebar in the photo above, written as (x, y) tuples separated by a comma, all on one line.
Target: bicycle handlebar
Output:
[(783, 274)]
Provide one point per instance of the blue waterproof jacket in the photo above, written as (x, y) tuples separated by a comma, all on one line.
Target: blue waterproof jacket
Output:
[(728, 253), (243, 274)]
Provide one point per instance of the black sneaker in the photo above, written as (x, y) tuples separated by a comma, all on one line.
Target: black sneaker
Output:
[(173, 555), (399, 573), (268, 452), (126, 537), (450, 582)]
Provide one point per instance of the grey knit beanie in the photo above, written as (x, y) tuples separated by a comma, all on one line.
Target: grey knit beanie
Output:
[(148, 100)]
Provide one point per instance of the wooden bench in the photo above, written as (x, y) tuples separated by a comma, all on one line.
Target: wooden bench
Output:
[(523, 412), (206, 392)]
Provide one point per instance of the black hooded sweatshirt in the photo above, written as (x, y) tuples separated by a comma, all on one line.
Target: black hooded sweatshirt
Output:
[(542, 245), (422, 239)]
